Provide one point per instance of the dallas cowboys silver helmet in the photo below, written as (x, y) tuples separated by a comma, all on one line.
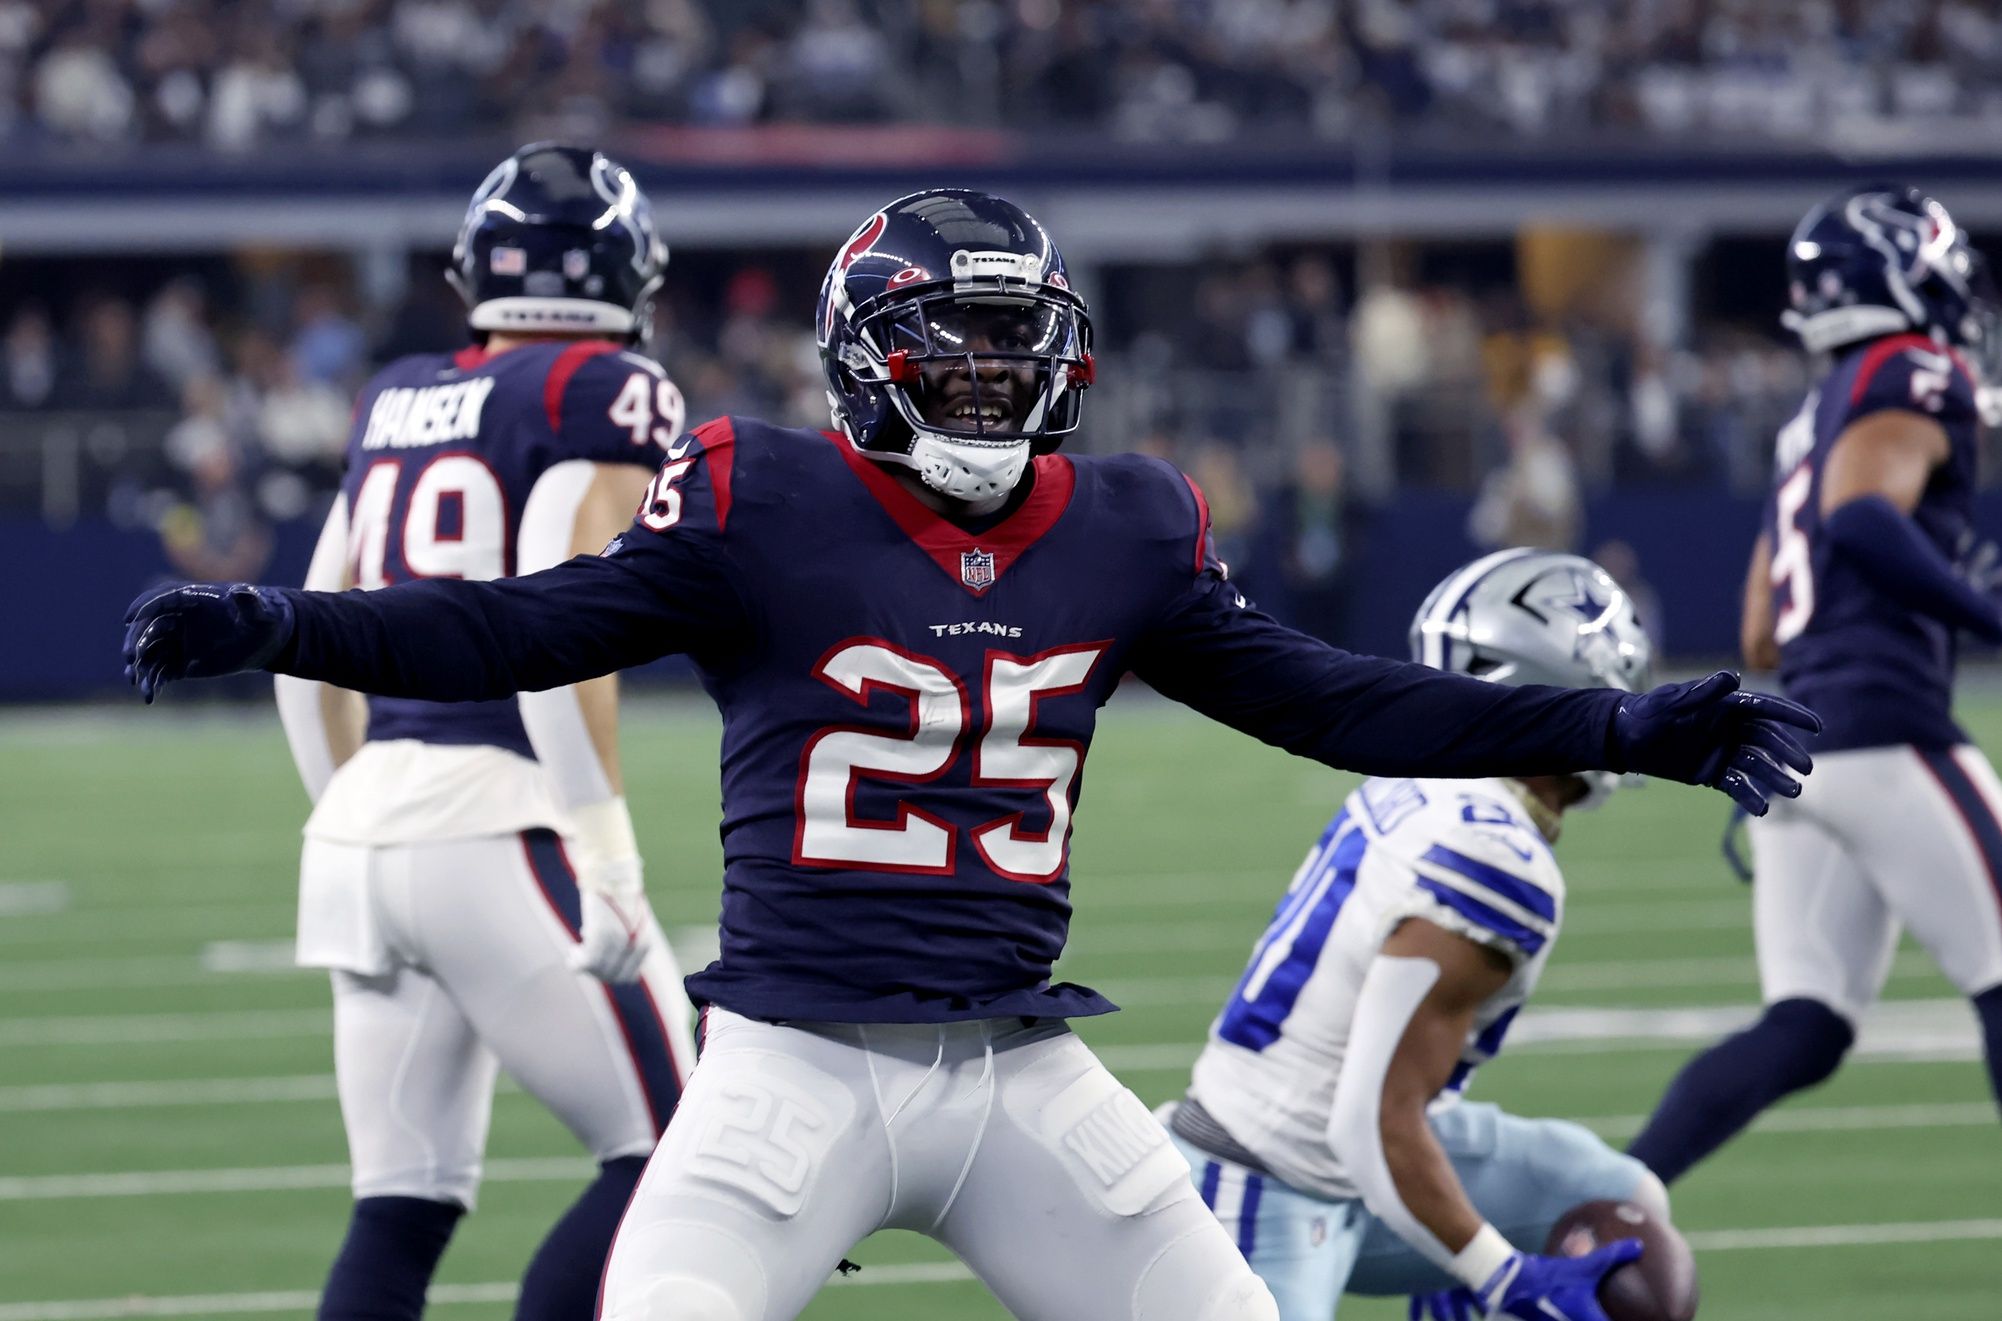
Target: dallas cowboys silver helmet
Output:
[(1535, 616)]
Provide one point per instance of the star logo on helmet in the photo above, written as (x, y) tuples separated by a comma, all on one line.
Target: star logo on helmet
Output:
[(1585, 600)]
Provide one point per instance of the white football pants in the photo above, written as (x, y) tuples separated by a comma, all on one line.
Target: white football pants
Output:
[(1006, 1140), (448, 964), (1878, 838)]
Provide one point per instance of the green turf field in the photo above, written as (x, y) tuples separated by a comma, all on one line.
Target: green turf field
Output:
[(167, 1127)]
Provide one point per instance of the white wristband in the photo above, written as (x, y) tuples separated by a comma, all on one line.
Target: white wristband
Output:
[(1486, 1252), (604, 830)]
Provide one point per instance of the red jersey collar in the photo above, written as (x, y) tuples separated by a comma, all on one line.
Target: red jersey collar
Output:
[(974, 560)]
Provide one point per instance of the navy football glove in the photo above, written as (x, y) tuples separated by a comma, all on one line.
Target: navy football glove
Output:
[(1534, 1287), (200, 630), (1707, 732)]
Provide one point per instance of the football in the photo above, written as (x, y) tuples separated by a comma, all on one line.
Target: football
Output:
[(1661, 1286)]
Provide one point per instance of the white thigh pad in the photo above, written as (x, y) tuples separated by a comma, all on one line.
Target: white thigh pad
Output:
[(762, 1128), (338, 923), (1105, 1136)]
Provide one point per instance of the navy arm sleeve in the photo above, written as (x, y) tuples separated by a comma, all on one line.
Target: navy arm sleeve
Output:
[(456, 641), (1890, 551), (1215, 653)]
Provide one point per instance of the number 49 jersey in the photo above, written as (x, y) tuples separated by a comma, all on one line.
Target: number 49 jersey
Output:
[(444, 457), (1463, 854), (1875, 671)]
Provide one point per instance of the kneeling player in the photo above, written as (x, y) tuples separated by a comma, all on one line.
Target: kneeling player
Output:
[(1324, 1125)]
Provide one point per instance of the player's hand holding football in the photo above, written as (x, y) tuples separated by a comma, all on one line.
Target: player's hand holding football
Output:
[(200, 630), (1534, 1287), (616, 923), (1707, 732)]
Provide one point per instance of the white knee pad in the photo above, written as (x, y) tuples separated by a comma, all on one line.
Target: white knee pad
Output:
[(678, 1298)]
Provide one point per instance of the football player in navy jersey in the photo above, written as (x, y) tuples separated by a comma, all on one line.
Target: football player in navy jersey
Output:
[(469, 876), (909, 623), (1853, 593)]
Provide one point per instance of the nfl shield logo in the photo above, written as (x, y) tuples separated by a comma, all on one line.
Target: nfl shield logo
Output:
[(576, 264), (507, 261), (976, 569)]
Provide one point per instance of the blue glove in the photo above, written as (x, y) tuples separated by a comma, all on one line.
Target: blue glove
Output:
[(1533, 1287), (200, 630), (1445, 1305), (1707, 732)]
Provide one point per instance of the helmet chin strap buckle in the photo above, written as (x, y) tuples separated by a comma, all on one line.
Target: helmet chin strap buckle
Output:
[(901, 370), (1084, 373)]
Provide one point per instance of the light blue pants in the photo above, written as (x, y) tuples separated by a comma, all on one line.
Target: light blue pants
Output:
[(1521, 1174)]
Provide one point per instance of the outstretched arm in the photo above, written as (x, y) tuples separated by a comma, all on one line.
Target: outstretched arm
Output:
[(1215, 653), (445, 640), (1240, 666)]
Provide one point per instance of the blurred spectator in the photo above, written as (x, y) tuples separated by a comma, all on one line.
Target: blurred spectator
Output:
[(175, 340), (216, 533), (1532, 499), (236, 75), (301, 425), (108, 373), (1305, 548), (32, 365), (328, 346)]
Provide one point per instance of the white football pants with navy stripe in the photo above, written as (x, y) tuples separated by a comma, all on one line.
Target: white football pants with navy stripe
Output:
[(448, 964), (1521, 1174), (1880, 838), (1006, 1140)]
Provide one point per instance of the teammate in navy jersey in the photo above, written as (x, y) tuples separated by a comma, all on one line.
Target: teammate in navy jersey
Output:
[(909, 624), (469, 876), (1854, 595)]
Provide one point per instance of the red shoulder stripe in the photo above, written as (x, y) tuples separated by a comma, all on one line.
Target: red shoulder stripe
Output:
[(1880, 353), (1202, 520), (718, 439), (562, 369)]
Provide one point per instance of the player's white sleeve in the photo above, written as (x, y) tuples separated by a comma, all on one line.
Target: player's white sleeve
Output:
[(1391, 992), (554, 720), (301, 708)]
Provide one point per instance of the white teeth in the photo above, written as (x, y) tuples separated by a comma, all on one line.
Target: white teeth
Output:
[(986, 412)]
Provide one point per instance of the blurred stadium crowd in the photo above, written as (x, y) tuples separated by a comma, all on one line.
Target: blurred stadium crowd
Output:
[(215, 406), (1304, 385), (233, 73)]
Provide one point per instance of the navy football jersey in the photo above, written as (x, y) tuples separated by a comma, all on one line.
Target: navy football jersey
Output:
[(1874, 670), (907, 701), (443, 453)]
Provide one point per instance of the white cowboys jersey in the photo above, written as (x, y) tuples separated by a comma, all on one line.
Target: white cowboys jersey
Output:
[(1464, 854)]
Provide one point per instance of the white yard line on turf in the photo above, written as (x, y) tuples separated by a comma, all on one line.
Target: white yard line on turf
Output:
[(142, 1029), (1562, 978), (1091, 938), (949, 1272), (256, 1179), (558, 1169)]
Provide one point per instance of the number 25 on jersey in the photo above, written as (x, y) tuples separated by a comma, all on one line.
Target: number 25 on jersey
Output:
[(827, 833)]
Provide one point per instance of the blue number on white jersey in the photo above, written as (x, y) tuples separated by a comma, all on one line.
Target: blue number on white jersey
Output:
[(1292, 944)]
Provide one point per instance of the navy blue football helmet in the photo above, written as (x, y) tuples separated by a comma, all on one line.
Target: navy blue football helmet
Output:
[(1886, 259), (952, 341), (558, 240)]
